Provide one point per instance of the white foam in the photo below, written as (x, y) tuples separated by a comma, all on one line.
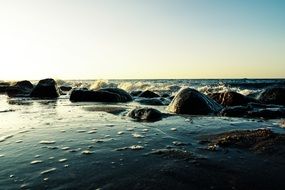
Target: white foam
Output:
[(101, 84), (62, 160), (3, 138), (36, 162), (48, 171), (136, 147), (87, 152), (47, 142), (137, 135)]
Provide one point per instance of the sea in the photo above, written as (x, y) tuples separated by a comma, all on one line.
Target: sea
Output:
[(58, 144)]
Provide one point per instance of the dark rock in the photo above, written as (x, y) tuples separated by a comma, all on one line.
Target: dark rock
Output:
[(145, 114), (150, 101), (148, 94), (254, 111), (124, 96), (273, 95), (20, 89), (231, 98), (273, 113), (174, 153), (190, 101), (259, 141), (65, 88), (235, 111), (46, 89), (4, 86), (102, 95), (136, 93)]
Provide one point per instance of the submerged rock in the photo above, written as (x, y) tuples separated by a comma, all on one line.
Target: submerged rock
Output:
[(108, 109), (102, 95), (20, 89), (46, 88), (148, 94), (150, 101), (273, 95), (254, 111), (231, 98), (235, 111), (259, 141), (174, 153), (190, 101), (145, 114)]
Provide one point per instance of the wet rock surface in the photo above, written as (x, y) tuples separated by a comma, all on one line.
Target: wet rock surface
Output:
[(254, 111), (174, 153), (231, 98), (45, 89), (20, 89), (145, 114), (259, 141), (102, 95), (273, 95), (190, 101), (148, 94)]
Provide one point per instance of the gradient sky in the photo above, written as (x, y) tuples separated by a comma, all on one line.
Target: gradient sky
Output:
[(95, 39)]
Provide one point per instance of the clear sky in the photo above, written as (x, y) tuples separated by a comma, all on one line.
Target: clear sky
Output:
[(95, 39)]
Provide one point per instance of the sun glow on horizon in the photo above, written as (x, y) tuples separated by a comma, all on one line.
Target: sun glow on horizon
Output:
[(141, 39)]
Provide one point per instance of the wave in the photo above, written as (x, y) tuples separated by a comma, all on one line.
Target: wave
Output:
[(171, 87)]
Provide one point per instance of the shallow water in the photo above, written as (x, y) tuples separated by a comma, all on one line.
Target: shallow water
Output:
[(56, 144)]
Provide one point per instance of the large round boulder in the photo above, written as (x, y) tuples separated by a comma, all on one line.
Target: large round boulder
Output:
[(46, 88), (190, 101), (273, 95), (145, 114), (102, 95), (20, 89), (231, 98)]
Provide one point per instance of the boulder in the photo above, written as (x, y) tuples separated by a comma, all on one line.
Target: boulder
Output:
[(46, 89), (20, 89), (254, 111), (273, 95), (102, 95), (124, 96), (145, 114), (235, 111), (190, 101), (4, 86), (231, 98), (148, 94)]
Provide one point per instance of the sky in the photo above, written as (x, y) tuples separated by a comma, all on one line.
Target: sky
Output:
[(136, 39)]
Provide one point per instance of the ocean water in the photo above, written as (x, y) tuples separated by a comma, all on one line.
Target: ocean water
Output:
[(57, 144)]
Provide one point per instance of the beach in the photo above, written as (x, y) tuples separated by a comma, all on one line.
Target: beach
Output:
[(55, 143)]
